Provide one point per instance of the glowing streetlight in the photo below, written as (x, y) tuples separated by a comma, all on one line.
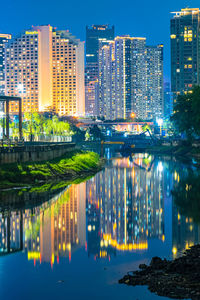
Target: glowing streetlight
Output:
[(133, 115)]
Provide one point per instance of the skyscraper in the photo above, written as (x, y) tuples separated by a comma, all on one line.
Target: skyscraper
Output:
[(130, 79), (68, 74), (4, 38), (46, 68), (155, 92), (94, 34), (185, 50), (168, 100)]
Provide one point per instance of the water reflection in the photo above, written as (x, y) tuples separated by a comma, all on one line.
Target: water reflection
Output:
[(121, 209), (49, 231), (125, 206), (186, 210)]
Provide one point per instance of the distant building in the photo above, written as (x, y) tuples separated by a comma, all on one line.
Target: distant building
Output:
[(94, 35), (130, 79), (46, 68), (4, 38), (155, 91), (168, 100), (185, 50)]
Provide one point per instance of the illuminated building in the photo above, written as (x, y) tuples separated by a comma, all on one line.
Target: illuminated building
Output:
[(46, 68), (106, 107), (155, 93), (168, 100), (68, 74), (185, 51), (130, 79), (22, 70), (94, 34), (4, 38)]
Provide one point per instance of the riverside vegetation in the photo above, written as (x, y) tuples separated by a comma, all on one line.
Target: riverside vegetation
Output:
[(72, 166)]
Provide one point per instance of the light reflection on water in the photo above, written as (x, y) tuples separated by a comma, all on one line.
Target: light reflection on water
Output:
[(119, 218)]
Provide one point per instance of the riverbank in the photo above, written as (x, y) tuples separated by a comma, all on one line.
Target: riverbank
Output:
[(178, 150), (71, 166), (178, 279)]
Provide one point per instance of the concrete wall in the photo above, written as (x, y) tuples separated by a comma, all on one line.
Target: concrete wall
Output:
[(34, 153)]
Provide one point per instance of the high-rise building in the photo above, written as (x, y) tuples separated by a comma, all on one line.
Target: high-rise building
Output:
[(185, 50), (46, 68), (94, 35), (4, 38), (130, 79), (155, 92), (68, 74), (168, 100)]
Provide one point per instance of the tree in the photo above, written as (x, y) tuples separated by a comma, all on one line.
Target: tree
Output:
[(95, 132), (186, 117)]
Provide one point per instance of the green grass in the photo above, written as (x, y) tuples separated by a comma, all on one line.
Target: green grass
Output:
[(72, 164)]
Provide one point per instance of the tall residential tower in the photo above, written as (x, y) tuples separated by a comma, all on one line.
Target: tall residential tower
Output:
[(94, 35), (46, 68), (4, 38), (130, 79), (185, 50)]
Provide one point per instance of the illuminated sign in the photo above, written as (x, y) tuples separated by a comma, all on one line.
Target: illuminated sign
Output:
[(31, 32)]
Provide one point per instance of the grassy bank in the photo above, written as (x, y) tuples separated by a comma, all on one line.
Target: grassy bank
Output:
[(71, 166)]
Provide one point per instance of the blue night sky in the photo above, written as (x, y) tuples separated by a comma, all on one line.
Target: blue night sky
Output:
[(150, 19)]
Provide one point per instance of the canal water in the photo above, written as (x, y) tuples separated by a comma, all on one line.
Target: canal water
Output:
[(77, 242)]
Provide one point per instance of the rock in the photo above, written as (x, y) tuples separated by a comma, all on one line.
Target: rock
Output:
[(179, 278), (143, 266)]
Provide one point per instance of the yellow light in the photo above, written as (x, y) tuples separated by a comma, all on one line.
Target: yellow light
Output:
[(33, 255), (31, 32), (132, 115), (173, 36), (174, 250)]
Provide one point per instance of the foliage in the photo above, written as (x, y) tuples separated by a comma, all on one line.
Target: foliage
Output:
[(36, 124), (186, 117), (146, 127), (60, 168)]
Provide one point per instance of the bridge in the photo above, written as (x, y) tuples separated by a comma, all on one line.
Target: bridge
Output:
[(118, 126)]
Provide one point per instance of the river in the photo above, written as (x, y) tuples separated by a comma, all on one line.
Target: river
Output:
[(77, 242)]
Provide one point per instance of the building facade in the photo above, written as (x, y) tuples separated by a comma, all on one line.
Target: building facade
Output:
[(4, 38), (94, 35), (46, 68), (130, 79), (168, 100), (185, 50), (155, 87)]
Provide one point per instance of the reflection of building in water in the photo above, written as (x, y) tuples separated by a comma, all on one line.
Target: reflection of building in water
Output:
[(185, 233), (48, 232), (11, 232), (125, 206)]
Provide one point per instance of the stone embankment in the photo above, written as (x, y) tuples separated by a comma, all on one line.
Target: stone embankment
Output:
[(34, 153)]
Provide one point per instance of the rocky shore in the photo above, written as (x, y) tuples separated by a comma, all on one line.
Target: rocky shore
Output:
[(177, 279)]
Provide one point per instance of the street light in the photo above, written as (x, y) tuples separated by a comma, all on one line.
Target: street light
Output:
[(133, 115)]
